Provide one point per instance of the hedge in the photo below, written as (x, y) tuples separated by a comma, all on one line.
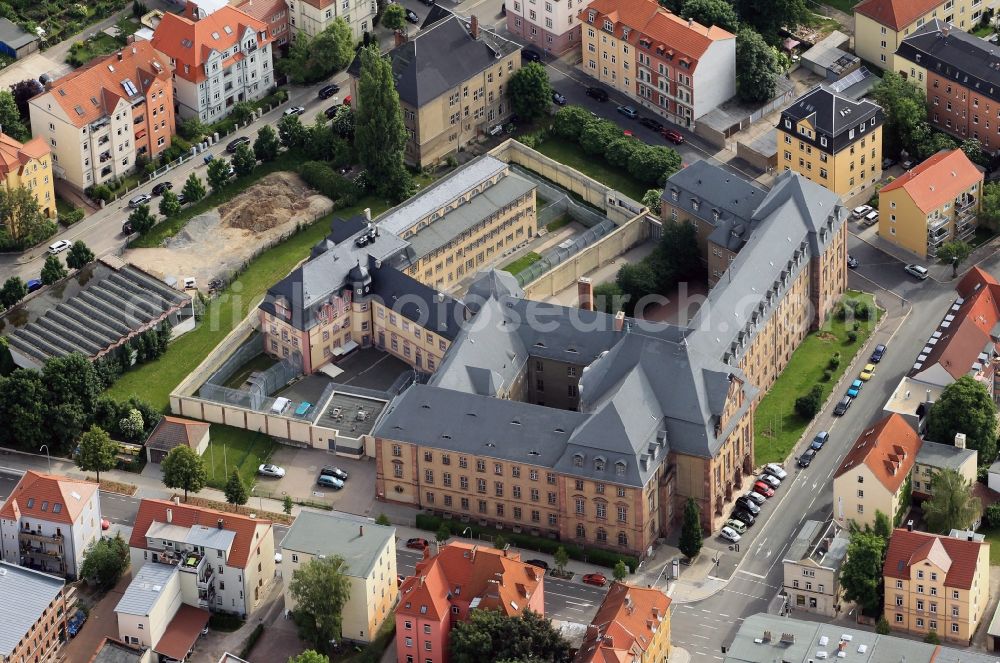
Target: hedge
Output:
[(599, 556), (252, 639)]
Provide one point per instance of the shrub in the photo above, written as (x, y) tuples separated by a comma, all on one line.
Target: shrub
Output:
[(857, 326), (328, 182), (852, 336), (251, 641), (991, 516), (862, 311), (808, 405), (69, 218), (827, 375), (834, 362), (224, 621)]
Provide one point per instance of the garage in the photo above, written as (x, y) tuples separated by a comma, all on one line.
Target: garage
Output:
[(173, 432)]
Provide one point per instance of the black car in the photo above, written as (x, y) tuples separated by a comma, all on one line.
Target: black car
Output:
[(232, 146), (821, 438), (651, 123), (127, 228), (331, 111), (852, 262), (328, 91), (743, 516), (528, 55), (842, 406), (878, 353), (412, 17), (160, 188), (541, 563), (429, 3), (744, 502), (334, 472), (597, 93), (807, 458)]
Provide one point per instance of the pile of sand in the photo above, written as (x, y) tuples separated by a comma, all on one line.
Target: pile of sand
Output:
[(277, 199)]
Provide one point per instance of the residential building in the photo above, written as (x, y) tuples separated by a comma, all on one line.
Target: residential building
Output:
[(934, 203), (832, 140), (217, 60), (104, 305), (445, 588), (112, 651), (451, 78), (48, 522), (812, 568), (275, 14), (29, 165), (173, 432), (632, 624), (552, 27), (880, 26), (155, 612), (678, 69), (369, 553), (101, 118), (225, 560), (955, 71), (936, 583), (875, 474), (311, 17), (935, 457), (33, 614)]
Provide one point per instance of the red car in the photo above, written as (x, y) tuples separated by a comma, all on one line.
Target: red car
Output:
[(595, 579), (417, 544), (673, 136), (763, 489), (105, 523)]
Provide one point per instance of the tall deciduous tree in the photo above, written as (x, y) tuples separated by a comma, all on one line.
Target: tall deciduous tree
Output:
[(320, 589), (951, 504), (104, 561), (236, 490), (184, 469), (292, 133), (394, 17), (142, 219), (265, 147), (79, 255), (380, 136), (23, 410), (22, 92), (861, 574), (10, 118), (965, 407), (906, 125), (19, 212), (170, 204), (528, 636), (218, 174), (530, 92), (712, 12), (194, 189), (311, 655), (757, 67), (954, 252), (691, 541), (73, 387), (97, 451), (52, 270), (311, 59), (13, 291), (973, 149), (769, 17), (244, 161)]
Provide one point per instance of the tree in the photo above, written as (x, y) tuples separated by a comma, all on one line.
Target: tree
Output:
[(142, 219), (97, 451), (292, 133), (973, 149), (79, 255), (105, 561), (194, 189), (680, 258), (242, 112), (951, 505), (636, 281), (651, 199), (380, 135), (620, 571), (343, 122), (123, 28), (236, 490), (569, 121), (906, 126), (499, 542), (53, 270), (19, 210), (932, 638), (807, 405), (311, 655), (443, 533), (712, 12), (131, 425), (10, 118), (882, 626), (23, 410), (320, 589), (170, 204), (382, 520), (561, 558), (287, 504), (311, 59), (244, 161), (861, 574), (954, 252), (22, 92), (991, 515), (530, 92), (524, 637), (691, 541), (769, 17), (757, 67), (965, 407), (934, 143), (883, 526), (394, 17), (184, 469), (265, 148), (218, 174), (13, 291)]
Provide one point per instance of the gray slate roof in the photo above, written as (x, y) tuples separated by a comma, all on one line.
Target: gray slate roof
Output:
[(832, 115), (710, 187), (145, 589), (12, 34), (34, 591), (358, 542), (115, 652), (807, 545), (943, 456), (957, 55)]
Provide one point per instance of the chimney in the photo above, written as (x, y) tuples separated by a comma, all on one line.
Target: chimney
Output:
[(120, 56), (220, 523), (368, 214), (690, 22), (619, 320), (585, 293), (361, 530), (474, 26), (969, 535), (170, 515), (909, 525), (177, 500), (929, 399), (959, 440)]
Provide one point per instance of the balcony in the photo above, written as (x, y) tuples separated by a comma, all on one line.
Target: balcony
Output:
[(936, 224), (938, 239), (37, 537), (964, 203), (965, 231)]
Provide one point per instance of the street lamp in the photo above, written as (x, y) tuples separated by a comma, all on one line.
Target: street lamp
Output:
[(49, 460), (260, 500), (467, 529)]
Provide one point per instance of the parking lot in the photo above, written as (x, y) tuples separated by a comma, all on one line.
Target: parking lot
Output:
[(301, 469)]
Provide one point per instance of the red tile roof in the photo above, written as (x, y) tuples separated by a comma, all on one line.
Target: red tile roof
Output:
[(182, 632), (889, 449), (14, 154), (186, 515), (171, 432), (958, 558), (896, 14), (191, 43), (262, 10), (937, 180), (624, 624), (975, 279), (47, 497)]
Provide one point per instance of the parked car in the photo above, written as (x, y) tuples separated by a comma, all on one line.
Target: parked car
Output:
[(141, 199), (162, 188), (558, 99), (75, 623), (852, 262), (651, 124), (628, 111), (821, 438), (334, 472), (34, 284), (181, 198), (877, 354), (867, 372), (597, 93), (417, 543), (888, 163), (105, 524), (729, 534), (763, 489), (540, 563), (871, 218), (412, 17), (331, 111), (528, 55), (429, 3), (59, 247), (674, 136), (807, 458), (328, 91), (860, 211), (855, 388), (234, 144), (757, 498), (329, 482), (776, 470), (294, 110), (841, 407), (743, 516), (745, 502), (269, 470), (917, 270), (737, 526), (597, 579), (772, 481)]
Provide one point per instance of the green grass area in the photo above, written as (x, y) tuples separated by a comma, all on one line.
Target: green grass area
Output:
[(231, 448), (983, 30), (777, 427), (993, 538), (573, 156), (522, 263), (154, 381), (63, 206), (825, 24), (261, 362), (99, 45), (983, 235), (562, 221)]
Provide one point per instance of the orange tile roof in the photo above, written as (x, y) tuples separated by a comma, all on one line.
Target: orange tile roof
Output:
[(889, 449), (14, 154), (91, 92), (175, 431), (191, 43), (186, 515), (182, 632), (896, 14), (624, 625), (937, 180), (261, 10), (501, 581), (47, 497), (973, 280), (958, 558)]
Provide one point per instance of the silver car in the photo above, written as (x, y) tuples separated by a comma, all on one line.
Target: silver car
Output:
[(769, 479), (268, 470)]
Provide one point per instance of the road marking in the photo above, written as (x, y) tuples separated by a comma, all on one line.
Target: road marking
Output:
[(751, 574)]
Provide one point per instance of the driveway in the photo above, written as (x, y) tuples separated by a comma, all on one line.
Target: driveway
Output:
[(100, 623), (301, 469)]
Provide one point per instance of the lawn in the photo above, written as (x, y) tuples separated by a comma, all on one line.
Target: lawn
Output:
[(983, 30), (154, 381), (261, 362), (522, 263), (573, 156), (563, 220), (993, 538), (231, 448), (777, 428)]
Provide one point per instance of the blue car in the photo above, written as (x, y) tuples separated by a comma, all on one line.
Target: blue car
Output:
[(328, 481), (855, 388), (75, 623), (34, 284)]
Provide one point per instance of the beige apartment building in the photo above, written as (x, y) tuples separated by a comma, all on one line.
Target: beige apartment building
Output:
[(311, 17), (29, 165), (812, 568), (33, 614), (934, 457), (936, 583)]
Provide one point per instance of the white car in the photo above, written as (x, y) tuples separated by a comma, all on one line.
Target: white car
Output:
[(913, 270), (770, 480), (294, 110), (775, 470), (59, 246), (756, 497), (871, 218), (269, 470), (729, 534), (860, 211)]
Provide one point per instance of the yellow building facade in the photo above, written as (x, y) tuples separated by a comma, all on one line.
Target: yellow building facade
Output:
[(29, 165)]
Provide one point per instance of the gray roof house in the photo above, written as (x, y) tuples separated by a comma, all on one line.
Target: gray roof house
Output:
[(325, 534), (16, 42), (27, 594)]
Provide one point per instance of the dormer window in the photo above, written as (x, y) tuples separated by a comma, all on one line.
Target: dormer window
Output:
[(599, 463), (788, 123), (674, 194), (609, 26), (620, 468), (695, 204), (591, 15), (577, 460), (625, 32)]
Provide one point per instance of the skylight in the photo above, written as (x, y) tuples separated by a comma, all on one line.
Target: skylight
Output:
[(57, 507), (78, 109), (130, 88), (228, 29)]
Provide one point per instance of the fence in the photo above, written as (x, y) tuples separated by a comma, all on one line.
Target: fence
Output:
[(252, 348), (261, 384), (561, 253)]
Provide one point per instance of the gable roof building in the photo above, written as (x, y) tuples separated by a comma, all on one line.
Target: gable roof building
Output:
[(632, 625), (33, 614), (29, 165), (937, 180), (173, 432)]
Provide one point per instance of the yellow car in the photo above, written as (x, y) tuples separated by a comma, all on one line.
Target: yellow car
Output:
[(866, 374)]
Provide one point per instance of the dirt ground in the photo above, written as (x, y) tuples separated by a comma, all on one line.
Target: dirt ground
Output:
[(217, 243)]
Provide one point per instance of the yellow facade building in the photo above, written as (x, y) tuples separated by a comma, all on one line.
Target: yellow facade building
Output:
[(29, 165), (832, 140)]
